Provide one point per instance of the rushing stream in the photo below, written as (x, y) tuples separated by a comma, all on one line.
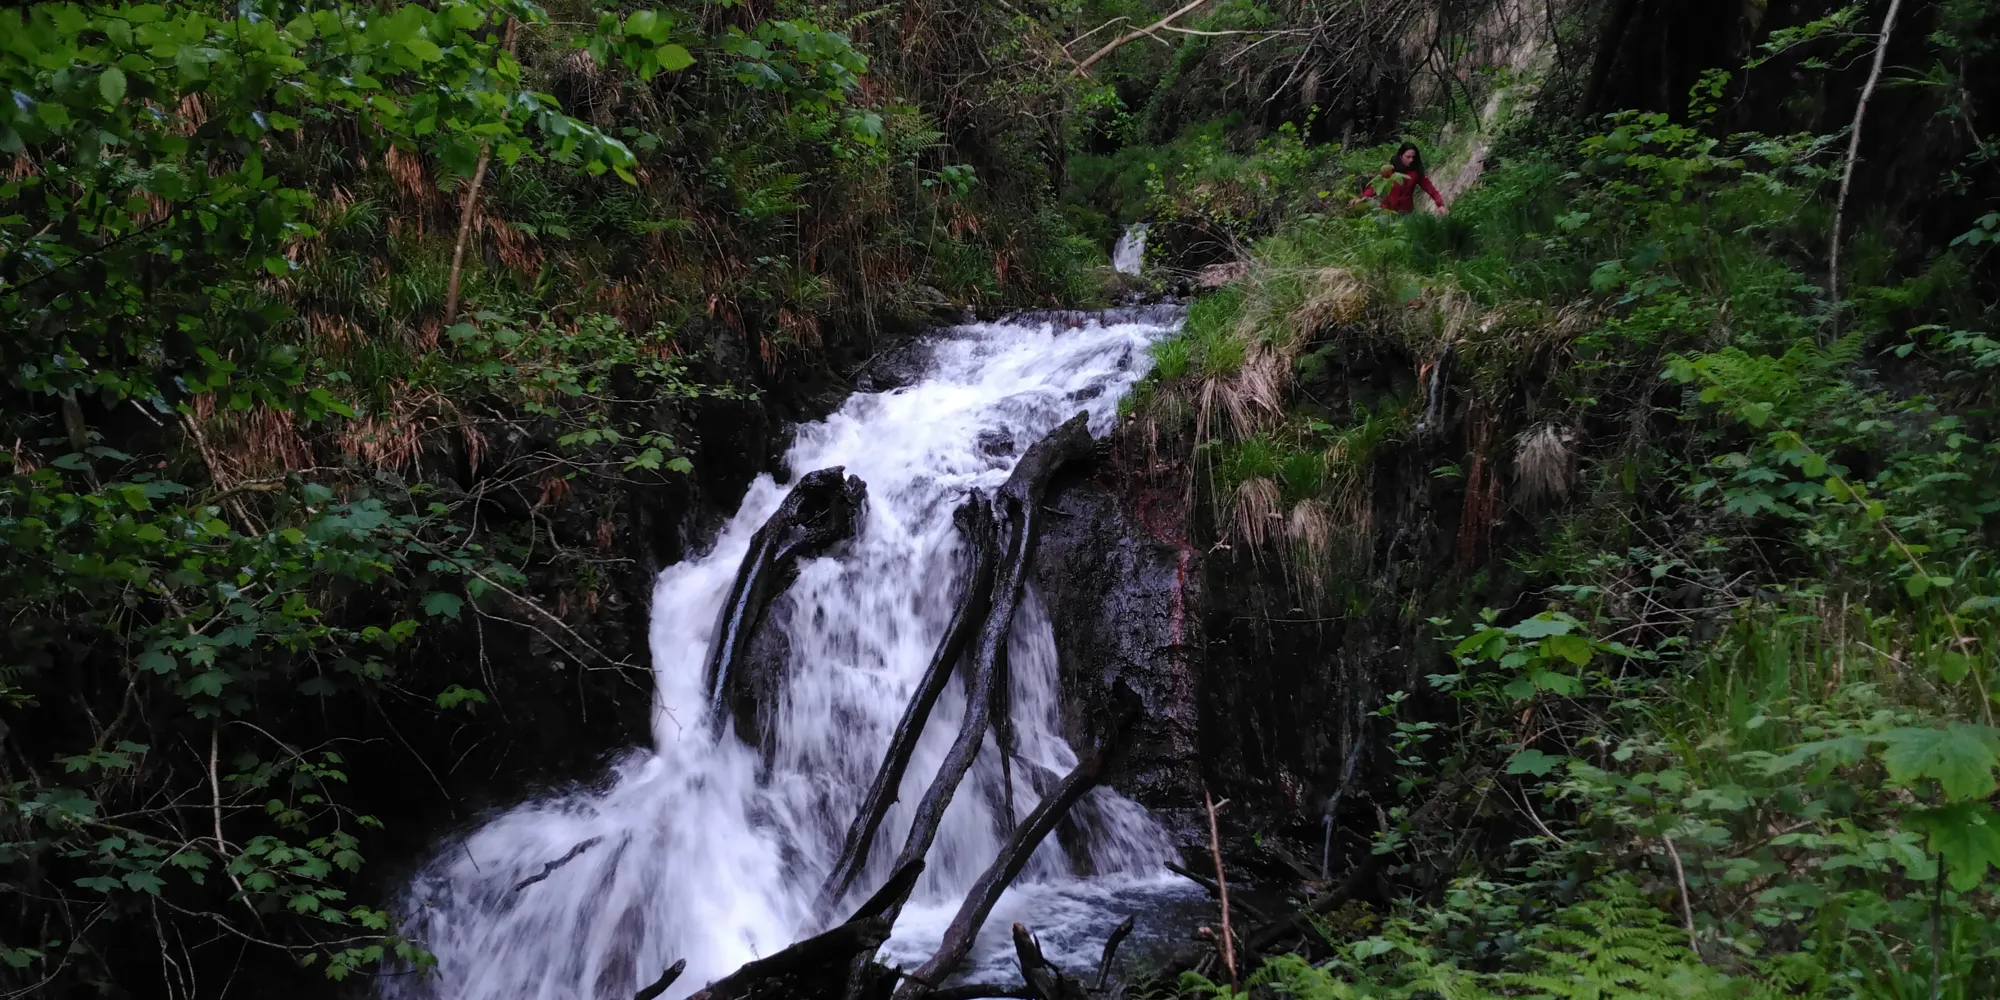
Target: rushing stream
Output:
[(694, 850)]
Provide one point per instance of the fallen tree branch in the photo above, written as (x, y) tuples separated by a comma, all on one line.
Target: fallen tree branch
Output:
[(1215, 892), (550, 867), (1015, 504), (1083, 68), (958, 937), (1044, 977), (1118, 936), (825, 966), (666, 979), (975, 520)]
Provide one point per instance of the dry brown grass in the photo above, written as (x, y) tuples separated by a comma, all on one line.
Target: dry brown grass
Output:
[(1254, 514), (1254, 397), (393, 439), (514, 248), (407, 175), (1338, 297), (1543, 462), (1313, 533), (249, 444)]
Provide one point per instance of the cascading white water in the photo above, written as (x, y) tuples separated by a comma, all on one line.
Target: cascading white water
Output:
[(695, 851), (1128, 256)]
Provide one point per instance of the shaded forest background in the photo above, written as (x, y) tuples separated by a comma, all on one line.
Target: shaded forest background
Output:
[(365, 362)]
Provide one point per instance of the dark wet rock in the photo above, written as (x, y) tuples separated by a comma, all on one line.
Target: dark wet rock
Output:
[(1125, 609), (997, 443), (824, 508)]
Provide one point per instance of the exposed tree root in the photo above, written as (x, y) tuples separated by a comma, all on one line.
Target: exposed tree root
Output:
[(821, 510)]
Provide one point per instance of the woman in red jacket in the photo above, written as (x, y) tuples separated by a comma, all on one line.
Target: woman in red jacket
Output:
[(1405, 174)]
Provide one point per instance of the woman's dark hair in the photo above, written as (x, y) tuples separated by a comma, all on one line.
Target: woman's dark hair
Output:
[(1416, 165)]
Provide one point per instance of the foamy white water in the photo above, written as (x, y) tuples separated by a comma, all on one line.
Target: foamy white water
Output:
[(1128, 256), (697, 851)]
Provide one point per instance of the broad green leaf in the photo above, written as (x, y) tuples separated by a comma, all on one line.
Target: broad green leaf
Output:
[(145, 882), (440, 604), (1569, 647), (111, 83), (674, 58), (1959, 757), (1838, 752), (1533, 762), (1539, 627), (1966, 835)]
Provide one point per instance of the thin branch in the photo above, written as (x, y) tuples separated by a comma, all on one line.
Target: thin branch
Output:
[(1221, 886), (471, 206), (1853, 150), (1083, 68), (496, 585), (1687, 908)]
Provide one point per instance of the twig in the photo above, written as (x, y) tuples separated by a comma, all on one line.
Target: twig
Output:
[(1853, 150), (221, 845), (496, 585), (1221, 886), (549, 868), (1093, 31), (215, 788), (1687, 908), (1528, 807), (1111, 944)]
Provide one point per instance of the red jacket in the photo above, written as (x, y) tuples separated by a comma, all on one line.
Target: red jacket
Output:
[(1402, 197)]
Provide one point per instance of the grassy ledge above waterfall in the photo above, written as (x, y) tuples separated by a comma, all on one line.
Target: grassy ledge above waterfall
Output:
[(1731, 732)]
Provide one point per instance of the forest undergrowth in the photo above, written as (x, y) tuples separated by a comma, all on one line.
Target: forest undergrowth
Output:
[(1733, 735)]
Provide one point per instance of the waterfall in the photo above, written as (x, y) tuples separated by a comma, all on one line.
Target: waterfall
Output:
[(1129, 255), (700, 850)]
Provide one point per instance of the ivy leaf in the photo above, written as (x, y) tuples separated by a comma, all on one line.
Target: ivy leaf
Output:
[(440, 604), (680, 464), (1966, 835), (1959, 757)]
